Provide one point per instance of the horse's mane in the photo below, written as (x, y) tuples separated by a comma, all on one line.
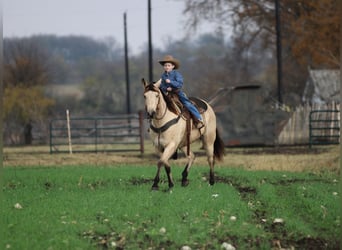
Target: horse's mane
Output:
[(171, 105)]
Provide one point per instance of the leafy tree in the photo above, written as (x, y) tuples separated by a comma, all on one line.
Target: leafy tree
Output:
[(22, 107), (25, 73)]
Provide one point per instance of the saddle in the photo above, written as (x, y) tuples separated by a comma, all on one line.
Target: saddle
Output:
[(175, 106), (200, 104)]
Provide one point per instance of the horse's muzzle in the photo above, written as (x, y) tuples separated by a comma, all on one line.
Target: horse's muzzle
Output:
[(151, 114)]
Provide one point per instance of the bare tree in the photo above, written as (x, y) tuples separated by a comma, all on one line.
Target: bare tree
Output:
[(310, 32)]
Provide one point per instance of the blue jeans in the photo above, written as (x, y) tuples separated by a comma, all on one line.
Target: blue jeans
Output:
[(186, 102)]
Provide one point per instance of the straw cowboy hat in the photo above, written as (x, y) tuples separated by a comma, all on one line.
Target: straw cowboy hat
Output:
[(170, 59)]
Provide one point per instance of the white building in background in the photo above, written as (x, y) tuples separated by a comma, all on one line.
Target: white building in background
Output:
[(322, 86)]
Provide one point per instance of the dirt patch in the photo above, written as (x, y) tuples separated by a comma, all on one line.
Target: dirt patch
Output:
[(136, 181)]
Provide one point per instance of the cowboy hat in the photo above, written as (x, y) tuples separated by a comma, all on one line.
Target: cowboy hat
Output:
[(170, 59)]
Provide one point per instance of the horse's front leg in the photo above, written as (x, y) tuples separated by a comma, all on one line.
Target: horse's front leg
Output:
[(169, 176), (191, 158), (156, 178), (164, 160)]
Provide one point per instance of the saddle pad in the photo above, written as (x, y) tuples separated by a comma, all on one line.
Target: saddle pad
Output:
[(201, 105)]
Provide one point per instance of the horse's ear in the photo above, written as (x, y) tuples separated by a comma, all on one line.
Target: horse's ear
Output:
[(157, 83), (143, 81)]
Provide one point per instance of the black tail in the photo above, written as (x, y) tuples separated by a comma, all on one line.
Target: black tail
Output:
[(218, 147)]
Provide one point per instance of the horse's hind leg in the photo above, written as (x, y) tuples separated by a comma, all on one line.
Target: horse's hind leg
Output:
[(191, 158), (209, 148)]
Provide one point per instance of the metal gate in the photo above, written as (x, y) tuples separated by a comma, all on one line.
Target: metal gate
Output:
[(97, 134), (324, 127)]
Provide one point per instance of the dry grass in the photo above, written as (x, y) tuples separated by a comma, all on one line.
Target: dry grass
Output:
[(320, 158), (298, 159)]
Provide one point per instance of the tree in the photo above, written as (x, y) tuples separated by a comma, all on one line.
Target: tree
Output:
[(25, 64), (26, 71), (22, 107), (316, 33), (310, 31), (310, 28)]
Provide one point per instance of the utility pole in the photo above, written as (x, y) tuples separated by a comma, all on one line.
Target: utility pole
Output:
[(128, 100), (279, 60), (150, 57)]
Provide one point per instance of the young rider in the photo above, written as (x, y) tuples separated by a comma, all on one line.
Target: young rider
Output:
[(172, 81)]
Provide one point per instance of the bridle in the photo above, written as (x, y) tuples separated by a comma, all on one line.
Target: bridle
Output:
[(158, 119), (167, 124)]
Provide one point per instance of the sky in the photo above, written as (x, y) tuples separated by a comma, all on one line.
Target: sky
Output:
[(98, 19)]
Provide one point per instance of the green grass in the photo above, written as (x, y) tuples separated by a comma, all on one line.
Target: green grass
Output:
[(98, 207)]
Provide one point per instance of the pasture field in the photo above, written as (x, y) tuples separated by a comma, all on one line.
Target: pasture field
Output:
[(112, 206)]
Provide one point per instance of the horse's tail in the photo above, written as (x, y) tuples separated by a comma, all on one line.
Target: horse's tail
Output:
[(218, 147)]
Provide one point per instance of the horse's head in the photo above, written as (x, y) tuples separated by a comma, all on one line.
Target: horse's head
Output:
[(152, 96)]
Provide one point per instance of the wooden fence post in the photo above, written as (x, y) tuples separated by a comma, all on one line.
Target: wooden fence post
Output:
[(69, 132), (141, 131)]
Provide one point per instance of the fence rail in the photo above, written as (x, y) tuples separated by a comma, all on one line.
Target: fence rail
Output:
[(98, 134)]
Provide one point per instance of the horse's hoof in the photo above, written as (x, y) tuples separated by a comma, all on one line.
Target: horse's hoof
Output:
[(211, 182), (155, 188), (185, 183)]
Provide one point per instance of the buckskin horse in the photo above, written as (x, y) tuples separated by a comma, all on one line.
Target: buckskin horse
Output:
[(170, 130)]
